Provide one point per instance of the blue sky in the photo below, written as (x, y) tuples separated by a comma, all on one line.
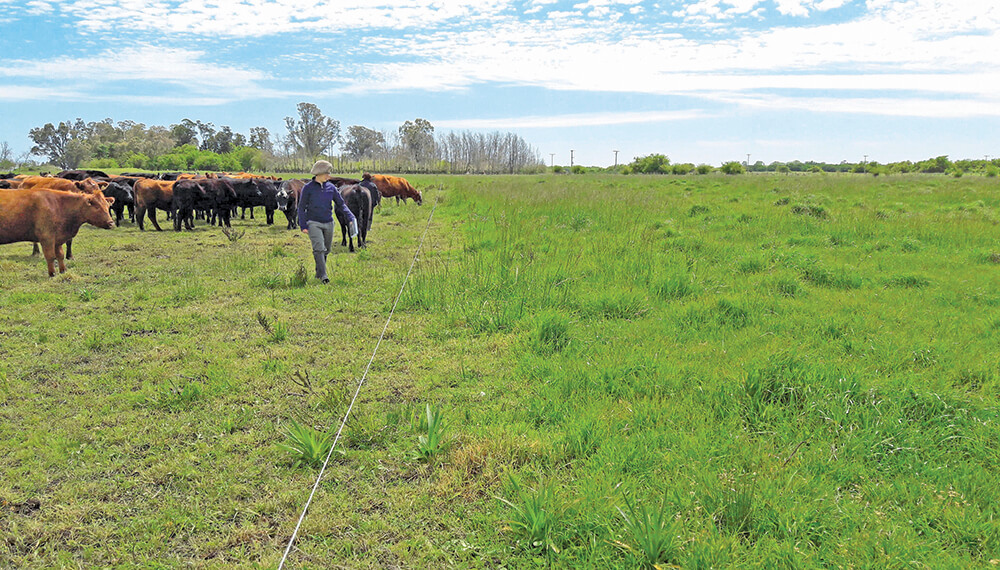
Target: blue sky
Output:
[(703, 81)]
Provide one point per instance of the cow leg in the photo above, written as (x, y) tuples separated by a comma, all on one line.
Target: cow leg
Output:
[(140, 214), (59, 258), (343, 232), (270, 216), (69, 250), (152, 217), (177, 222), (131, 213), (49, 251), (34, 249)]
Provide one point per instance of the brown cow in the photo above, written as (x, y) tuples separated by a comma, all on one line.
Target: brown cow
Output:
[(395, 186), (50, 217), (150, 195), (86, 185)]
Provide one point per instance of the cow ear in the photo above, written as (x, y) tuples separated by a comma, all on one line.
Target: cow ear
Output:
[(110, 200), (102, 185)]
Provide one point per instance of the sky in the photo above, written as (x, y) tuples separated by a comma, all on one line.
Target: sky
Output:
[(701, 81)]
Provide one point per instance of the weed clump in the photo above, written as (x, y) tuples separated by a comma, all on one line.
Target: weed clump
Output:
[(810, 210), (308, 446), (785, 287), (299, 278), (551, 334), (907, 282), (652, 532), (673, 286)]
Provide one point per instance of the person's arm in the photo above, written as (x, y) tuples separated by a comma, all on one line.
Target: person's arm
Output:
[(303, 199)]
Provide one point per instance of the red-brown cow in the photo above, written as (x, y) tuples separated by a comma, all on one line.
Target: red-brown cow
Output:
[(395, 186), (86, 185), (50, 217), (150, 195)]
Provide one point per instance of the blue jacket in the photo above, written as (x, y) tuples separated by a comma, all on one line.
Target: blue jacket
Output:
[(317, 204)]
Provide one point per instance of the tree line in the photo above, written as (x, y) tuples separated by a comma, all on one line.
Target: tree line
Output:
[(197, 145), (660, 164)]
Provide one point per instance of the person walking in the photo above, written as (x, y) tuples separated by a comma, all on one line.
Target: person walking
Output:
[(319, 202)]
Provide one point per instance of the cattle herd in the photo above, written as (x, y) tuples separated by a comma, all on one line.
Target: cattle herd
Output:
[(49, 210)]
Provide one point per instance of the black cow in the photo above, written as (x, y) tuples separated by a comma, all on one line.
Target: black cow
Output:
[(287, 199), (83, 174), (186, 194), (248, 194), (7, 175), (253, 192), (123, 195), (222, 197), (359, 202)]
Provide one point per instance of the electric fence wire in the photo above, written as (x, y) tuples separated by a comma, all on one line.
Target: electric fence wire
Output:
[(357, 391)]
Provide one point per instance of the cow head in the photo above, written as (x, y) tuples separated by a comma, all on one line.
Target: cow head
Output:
[(283, 198), (95, 210), (120, 192)]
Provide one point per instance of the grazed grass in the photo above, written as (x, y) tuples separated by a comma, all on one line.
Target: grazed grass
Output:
[(784, 370)]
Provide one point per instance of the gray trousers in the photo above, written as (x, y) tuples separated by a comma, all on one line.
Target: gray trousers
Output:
[(321, 236)]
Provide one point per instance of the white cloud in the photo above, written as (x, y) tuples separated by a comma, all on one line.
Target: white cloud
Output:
[(573, 120), (792, 7), (143, 63), (884, 106)]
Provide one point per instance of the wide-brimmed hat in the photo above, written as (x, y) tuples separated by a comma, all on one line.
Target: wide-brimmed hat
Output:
[(321, 167)]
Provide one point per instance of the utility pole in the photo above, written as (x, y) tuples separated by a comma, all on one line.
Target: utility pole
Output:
[(748, 162), (864, 164), (552, 159), (616, 160), (571, 158)]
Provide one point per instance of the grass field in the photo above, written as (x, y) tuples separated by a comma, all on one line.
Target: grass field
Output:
[(750, 371)]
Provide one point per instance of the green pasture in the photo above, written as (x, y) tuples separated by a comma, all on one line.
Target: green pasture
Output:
[(582, 372)]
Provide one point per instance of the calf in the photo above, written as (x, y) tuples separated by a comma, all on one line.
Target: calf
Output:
[(122, 193), (50, 217), (359, 202), (150, 195)]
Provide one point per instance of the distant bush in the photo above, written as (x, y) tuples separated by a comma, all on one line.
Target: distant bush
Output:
[(651, 164), (685, 168), (704, 169), (732, 167)]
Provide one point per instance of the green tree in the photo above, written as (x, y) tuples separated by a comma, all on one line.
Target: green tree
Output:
[(417, 138), (363, 142), (733, 167), (313, 132), (651, 164), (260, 139), (60, 145), (185, 132)]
